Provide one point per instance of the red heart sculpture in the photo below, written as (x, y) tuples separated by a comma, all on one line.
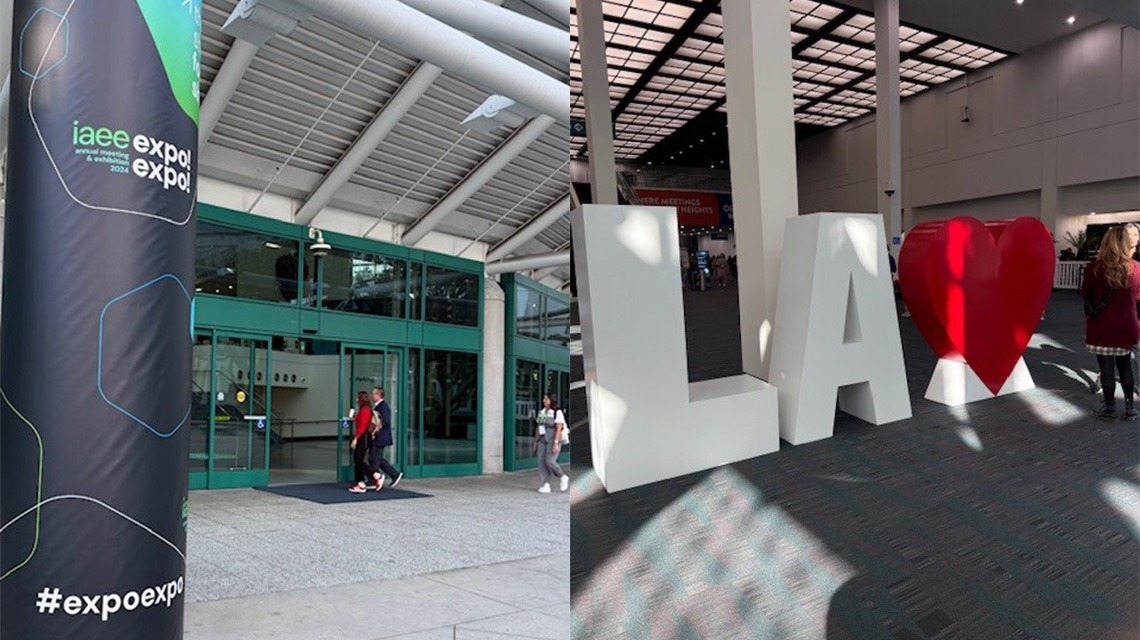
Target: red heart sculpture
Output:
[(977, 291)]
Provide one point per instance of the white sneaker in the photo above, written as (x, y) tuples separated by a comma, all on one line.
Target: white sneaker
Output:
[(565, 483), (544, 488)]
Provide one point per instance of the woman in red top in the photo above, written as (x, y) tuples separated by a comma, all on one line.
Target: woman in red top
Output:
[(1111, 289), (361, 442)]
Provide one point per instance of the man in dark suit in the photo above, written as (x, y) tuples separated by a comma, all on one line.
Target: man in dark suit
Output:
[(382, 417)]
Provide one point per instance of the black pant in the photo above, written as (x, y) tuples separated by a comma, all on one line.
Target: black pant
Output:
[(377, 460), (1109, 366), (361, 463)]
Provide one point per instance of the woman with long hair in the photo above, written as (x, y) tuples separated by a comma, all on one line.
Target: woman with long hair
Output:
[(550, 427), (1132, 239), (361, 443), (1111, 291)]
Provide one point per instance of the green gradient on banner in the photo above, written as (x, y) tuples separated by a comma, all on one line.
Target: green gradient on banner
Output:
[(176, 27)]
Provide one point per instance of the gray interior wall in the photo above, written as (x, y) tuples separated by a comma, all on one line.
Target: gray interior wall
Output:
[(1055, 130)]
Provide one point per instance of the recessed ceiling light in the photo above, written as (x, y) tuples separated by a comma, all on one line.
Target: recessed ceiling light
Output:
[(1020, 1), (1071, 19)]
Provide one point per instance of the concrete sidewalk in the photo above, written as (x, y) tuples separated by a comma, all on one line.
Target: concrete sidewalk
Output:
[(518, 599), (483, 555)]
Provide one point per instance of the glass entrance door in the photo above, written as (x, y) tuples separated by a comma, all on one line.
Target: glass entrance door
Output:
[(240, 400), (558, 383), (363, 368)]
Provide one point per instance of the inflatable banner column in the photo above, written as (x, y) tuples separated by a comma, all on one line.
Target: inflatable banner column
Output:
[(96, 327)]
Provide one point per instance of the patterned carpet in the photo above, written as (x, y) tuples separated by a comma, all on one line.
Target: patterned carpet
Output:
[(1014, 518)]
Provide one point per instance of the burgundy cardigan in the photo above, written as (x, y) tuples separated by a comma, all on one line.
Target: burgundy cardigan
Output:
[(1117, 325)]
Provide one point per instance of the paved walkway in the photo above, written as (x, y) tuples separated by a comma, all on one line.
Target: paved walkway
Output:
[(263, 565), (510, 600)]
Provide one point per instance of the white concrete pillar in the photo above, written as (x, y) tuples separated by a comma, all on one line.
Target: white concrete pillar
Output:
[(762, 154), (1051, 192), (888, 118), (494, 354), (596, 91)]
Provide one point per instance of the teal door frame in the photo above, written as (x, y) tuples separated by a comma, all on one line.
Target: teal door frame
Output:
[(250, 477), (348, 394), (267, 319), (548, 355)]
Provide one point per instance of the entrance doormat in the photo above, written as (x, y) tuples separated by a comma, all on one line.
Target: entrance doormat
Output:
[(338, 493)]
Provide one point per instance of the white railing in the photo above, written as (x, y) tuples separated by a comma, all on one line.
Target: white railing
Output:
[(1069, 274)]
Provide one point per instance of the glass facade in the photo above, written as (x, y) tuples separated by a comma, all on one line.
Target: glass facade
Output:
[(528, 312), (363, 283), (237, 263), (556, 321), (541, 317), (366, 313), (538, 362), (243, 264), (451, 297), (200, 403), (451, 407), (528, 401)]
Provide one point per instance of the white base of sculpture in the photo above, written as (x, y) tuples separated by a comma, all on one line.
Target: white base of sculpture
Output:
[(954, 383)]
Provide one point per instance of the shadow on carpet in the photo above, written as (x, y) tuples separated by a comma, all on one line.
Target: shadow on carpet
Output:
[(338, 493)]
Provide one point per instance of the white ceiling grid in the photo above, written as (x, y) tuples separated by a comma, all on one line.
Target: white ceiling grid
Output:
[(833, 67)]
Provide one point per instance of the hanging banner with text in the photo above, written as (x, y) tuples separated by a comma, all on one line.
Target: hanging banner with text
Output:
[(694, 208), (97, 307)]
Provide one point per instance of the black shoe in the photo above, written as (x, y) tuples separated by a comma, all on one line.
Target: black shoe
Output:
[(1130, 410), (1106, 412)]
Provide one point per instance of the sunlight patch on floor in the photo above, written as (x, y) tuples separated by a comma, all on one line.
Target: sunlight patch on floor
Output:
[(721, 532)]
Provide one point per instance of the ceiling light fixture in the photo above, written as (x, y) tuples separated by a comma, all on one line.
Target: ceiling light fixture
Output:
[(1071, 19), (1020, 1)]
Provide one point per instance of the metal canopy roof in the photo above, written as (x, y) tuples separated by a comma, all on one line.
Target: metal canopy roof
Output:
[(307, 96), (666, 65)]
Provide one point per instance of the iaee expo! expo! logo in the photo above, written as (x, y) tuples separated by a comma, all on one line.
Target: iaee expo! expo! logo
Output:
[(156, 159)]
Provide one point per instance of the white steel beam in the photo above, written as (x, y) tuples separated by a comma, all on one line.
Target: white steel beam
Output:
[(526, 263), (399, 26), (413, 88), (491, 165), (494, 23), (226, 81), (557, 9), (530, 230)]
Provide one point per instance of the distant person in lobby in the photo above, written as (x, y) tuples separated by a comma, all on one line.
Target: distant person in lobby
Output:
[(1111, 292), (361, 445), (720, 271), (550, 430), (382, 423), (686, 268)]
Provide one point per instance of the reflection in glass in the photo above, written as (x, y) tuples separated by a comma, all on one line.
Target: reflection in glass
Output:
[(200, 404), (528, 312), (557, 322), (558, 384), (451, 409), (243, 264), (415, 291), (413, 452), (528, 400), (452, 297), (239, 444), (363, 283)]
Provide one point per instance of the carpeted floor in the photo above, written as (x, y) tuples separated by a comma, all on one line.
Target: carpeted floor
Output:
[(1017, 517)]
